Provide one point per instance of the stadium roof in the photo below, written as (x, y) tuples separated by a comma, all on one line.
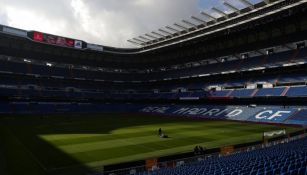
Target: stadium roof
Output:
[(251, 28), (195, 26)]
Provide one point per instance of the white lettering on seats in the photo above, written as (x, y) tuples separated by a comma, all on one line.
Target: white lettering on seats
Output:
[(234, 113)]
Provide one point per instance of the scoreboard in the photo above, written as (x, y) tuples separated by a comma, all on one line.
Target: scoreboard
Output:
[(51, 39), (56, 40)]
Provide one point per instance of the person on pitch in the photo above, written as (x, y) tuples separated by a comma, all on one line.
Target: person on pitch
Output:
[(160, 132)]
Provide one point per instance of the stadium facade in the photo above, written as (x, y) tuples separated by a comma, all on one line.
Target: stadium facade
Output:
[(248, 65)]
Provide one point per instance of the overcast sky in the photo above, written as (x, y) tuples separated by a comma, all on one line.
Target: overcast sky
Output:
[(106, 22)]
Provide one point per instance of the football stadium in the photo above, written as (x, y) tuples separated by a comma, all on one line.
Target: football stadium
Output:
[(218, 93)]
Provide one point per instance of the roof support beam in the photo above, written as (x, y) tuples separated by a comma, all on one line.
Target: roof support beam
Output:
[(232, 7), (199, 20), (137, 39), (208, 15), (173, 29), (189, 23), (166, 32), (158, 34), (133, 42), (181, 26), (247, 3), (219, 12), (142, 37), (151, 36)]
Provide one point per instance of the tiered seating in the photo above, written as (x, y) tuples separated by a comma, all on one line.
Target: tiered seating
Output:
[(260, 114), (270, 92), (288, 158), (297, 77), (200, 94), (55, 81), (8, 92), (168, 95), (242, 92), (5, 108), (298, 118), (54, 93), (276, 59), (15, 90), (20, 86), (223, 93), (297, 91)]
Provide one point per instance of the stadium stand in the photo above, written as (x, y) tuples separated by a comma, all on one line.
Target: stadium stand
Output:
[(260, 114), (39, 84), (298, 118), (285, 158), (247, 66), (269, 92), (297, 91), (242, 92), (34, 80)]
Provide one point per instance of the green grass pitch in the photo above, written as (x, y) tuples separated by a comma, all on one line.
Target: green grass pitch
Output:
[(40, 145)]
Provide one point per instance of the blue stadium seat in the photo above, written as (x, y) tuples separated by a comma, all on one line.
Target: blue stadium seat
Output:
[(300, 118), (242, 92), (278, 159), (297, 91), (222, 93), (270, 92)]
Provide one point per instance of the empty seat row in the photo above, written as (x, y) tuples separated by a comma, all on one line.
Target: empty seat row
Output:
[(286, 158)]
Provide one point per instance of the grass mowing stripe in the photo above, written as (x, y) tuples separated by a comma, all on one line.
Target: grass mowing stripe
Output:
[(135, 149), (117, 142), (52, 137), (90, 146), (186, 125), (168, 151), (175, 144), (99, 137), (118, 131), (107, 137), (124, 132)]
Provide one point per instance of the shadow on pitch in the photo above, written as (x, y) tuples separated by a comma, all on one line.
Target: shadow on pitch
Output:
[(52, 160)]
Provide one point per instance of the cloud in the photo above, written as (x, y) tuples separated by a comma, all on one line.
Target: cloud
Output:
[(3, 18), (106, 22)]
